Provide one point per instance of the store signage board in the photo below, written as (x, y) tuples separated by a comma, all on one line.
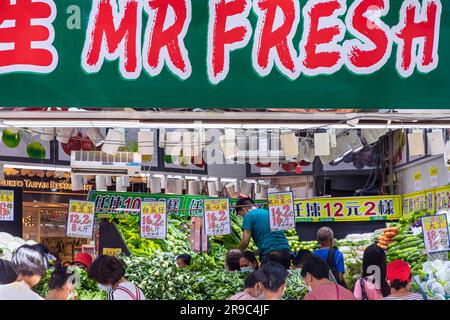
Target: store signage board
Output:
[(435, 233), (216, 218), (153, 220), (112, 251), (6, 205), (80, 220), (348, 209), (442, 198), (281, 210), (226, 54)]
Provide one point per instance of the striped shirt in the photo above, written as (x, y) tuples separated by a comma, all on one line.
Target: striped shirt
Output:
[(126, 291), (411, 296)]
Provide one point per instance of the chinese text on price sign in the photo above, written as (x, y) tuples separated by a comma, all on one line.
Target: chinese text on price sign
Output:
[(217, 217), (281, 209), (6, 205), (80, 222), (154, 220), (435, 233)]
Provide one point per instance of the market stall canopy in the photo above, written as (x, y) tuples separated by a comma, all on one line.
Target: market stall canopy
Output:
[(109, 54)]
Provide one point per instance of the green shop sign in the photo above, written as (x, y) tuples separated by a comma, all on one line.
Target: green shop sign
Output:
[(225, 53)]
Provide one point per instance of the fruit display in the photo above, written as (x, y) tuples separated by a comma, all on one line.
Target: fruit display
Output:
[(295, 244), (434, 279), (11, 138), (386, 237)]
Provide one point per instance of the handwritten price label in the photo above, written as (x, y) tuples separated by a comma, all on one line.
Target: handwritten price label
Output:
[(80, 220), (217, 217), (154, 220), (6, 205), (435, 233), (281, 210)]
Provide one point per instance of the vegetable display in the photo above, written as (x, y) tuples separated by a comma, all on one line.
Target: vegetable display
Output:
[(9, 243)]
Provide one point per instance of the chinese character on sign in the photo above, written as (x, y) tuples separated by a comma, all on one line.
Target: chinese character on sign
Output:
[(26, 36), (386, 207), (195, 208), (173, 205), (313, 209), (116, 203), (353, 208)]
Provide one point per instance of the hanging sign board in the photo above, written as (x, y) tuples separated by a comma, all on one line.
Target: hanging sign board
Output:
[(6, 205), (435, 233), (225, 54), (281, 210), (217, 220), (80, 220), (154, 220), (348, 209)]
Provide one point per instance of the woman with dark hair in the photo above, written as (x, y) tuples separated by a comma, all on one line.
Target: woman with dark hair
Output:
[(7, 273), (273, 277), (62, 283), (373, 285), (30, 266), (248, 261), (109, 274), (232, 260)]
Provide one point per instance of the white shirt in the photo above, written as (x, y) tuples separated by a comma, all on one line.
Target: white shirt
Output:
[(18, 291), (126, 291)]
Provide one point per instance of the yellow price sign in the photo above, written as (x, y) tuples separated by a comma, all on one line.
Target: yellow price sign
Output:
[(112, 251), (280, 199), (155, 207)]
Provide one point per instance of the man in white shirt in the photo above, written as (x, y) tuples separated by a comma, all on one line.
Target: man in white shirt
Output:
[(30, 265)]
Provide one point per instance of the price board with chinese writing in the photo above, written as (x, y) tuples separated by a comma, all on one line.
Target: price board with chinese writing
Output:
[(435, 233), (154, 220), (348, 209), (6, 205), (80, 220), (216, 217), (281, 210), (422, 200), (442, 198)]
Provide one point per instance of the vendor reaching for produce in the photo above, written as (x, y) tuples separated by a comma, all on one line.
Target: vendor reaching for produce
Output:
[(256, 225), (332, 256)]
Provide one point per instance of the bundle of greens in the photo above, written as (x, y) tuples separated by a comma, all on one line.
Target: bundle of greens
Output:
[(296, 288)]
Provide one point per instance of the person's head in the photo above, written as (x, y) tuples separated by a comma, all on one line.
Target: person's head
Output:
[(253, 286), (244, 205), (374, 264), (273, 280), (43, 248), (248, 261), (399, 275), (314, 270), (325, 237), (301, 258), (107, 271), (280, 257), (82, 260), (29, 264), (61, 283), (232, 260), (7, 273), (183, 260)]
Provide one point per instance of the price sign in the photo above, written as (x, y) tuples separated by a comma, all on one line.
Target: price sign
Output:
[(112, 251), (281, 210), (6, 205), (216, 217), (435, 233), (154, 220), (80, 220)]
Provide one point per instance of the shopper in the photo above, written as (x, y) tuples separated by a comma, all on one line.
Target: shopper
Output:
[(372, 285), (183, 260), (252, 288), (273, 280), (256, 225), (109, 273), (332, 256), (7, 273), (232, 260), (61, 285), (315, 273), (399, 277), (301, 258), (248, 261), (30, 266), (82, 260)]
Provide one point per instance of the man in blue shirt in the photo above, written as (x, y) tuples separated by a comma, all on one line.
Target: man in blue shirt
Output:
[(332, 256), (272, 245)]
